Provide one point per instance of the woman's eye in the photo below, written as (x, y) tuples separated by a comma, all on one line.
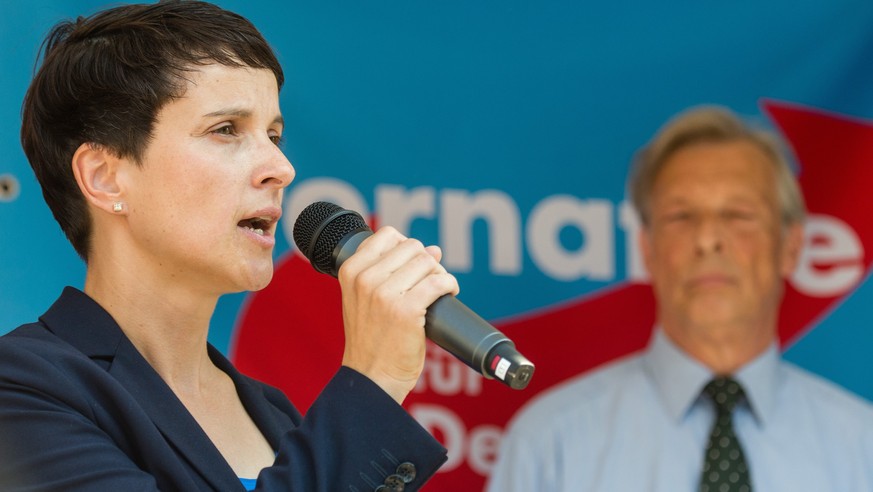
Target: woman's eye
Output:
[(276, 139), (225, 130)]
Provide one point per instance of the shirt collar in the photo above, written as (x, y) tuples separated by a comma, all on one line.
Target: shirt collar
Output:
[(760, 381), (679, 378)]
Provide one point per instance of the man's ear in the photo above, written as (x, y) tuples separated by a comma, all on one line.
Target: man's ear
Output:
[(644, 242), (792, 245), (96, 170)]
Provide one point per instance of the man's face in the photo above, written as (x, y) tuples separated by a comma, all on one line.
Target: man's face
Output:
[(715, 247)]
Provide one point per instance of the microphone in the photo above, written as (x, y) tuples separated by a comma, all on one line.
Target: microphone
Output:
[(328, 235)]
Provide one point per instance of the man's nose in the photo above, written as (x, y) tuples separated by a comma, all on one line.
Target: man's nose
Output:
[(709, 234)]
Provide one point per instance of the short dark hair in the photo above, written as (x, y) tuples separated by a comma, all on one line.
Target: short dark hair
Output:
[(104, 78)]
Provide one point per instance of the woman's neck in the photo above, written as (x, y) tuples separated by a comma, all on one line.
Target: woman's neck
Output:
[(166, 322)]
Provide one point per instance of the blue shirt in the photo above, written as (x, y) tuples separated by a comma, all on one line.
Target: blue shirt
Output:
[(640, 424)]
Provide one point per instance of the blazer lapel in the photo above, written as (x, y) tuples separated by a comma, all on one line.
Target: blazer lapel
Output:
[(88, 327), (171, 417), (272, 421)]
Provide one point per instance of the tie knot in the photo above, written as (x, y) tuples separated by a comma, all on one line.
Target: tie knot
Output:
[(725, 393)]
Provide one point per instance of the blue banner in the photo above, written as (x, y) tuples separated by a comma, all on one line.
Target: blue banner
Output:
[(503, 131)]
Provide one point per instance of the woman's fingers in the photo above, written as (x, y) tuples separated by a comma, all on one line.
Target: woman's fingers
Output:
[(388, 284)]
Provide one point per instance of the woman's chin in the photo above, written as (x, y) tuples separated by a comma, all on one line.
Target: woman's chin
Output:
[(259, 277)]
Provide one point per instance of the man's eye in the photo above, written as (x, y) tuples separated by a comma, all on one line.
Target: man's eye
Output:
[(738, 215), (277, 140), (677, 217)]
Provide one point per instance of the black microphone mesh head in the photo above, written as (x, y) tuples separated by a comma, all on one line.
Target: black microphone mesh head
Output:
[(319, 229), (334, 231), (310, 220)]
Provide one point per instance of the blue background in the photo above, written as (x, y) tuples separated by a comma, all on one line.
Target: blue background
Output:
[(533, 99)]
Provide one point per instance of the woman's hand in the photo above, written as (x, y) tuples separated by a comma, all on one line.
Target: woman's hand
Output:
[(387, 286)]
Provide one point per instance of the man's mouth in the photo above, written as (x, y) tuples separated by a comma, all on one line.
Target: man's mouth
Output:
[(710, 280)]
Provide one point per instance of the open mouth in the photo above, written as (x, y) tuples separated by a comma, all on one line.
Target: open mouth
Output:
[(258, 225)]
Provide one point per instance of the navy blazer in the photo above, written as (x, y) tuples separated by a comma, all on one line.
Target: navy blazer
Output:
[(82, 410)]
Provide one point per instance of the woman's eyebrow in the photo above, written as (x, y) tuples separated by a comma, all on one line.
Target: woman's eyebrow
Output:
[(240, 113)]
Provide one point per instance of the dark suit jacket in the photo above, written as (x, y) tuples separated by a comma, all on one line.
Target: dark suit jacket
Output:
[(81, 409)]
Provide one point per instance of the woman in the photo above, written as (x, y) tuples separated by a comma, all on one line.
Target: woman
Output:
[(153, 131)]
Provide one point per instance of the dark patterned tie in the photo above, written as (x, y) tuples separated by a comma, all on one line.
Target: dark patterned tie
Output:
[(724, 466)]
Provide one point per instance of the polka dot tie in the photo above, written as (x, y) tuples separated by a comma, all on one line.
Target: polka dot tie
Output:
[(724, 466)]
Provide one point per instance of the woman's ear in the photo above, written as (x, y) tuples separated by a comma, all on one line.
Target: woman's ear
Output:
[(96, 170)]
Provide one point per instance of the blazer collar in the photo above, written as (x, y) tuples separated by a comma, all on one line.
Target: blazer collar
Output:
[(84, 324)]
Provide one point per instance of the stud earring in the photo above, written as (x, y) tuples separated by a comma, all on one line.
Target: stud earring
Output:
[(117, 207)]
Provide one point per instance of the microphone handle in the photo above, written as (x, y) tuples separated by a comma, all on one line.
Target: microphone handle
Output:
[(457, 329)]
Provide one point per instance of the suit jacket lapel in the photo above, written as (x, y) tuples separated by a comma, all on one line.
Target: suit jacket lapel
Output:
[(88, 327)]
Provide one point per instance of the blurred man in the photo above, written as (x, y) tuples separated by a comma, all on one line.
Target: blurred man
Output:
[(709, 405)]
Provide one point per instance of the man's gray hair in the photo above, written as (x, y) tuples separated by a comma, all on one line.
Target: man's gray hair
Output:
[(711, 124)]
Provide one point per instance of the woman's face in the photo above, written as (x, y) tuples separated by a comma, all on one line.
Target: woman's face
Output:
[(203, 206)]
